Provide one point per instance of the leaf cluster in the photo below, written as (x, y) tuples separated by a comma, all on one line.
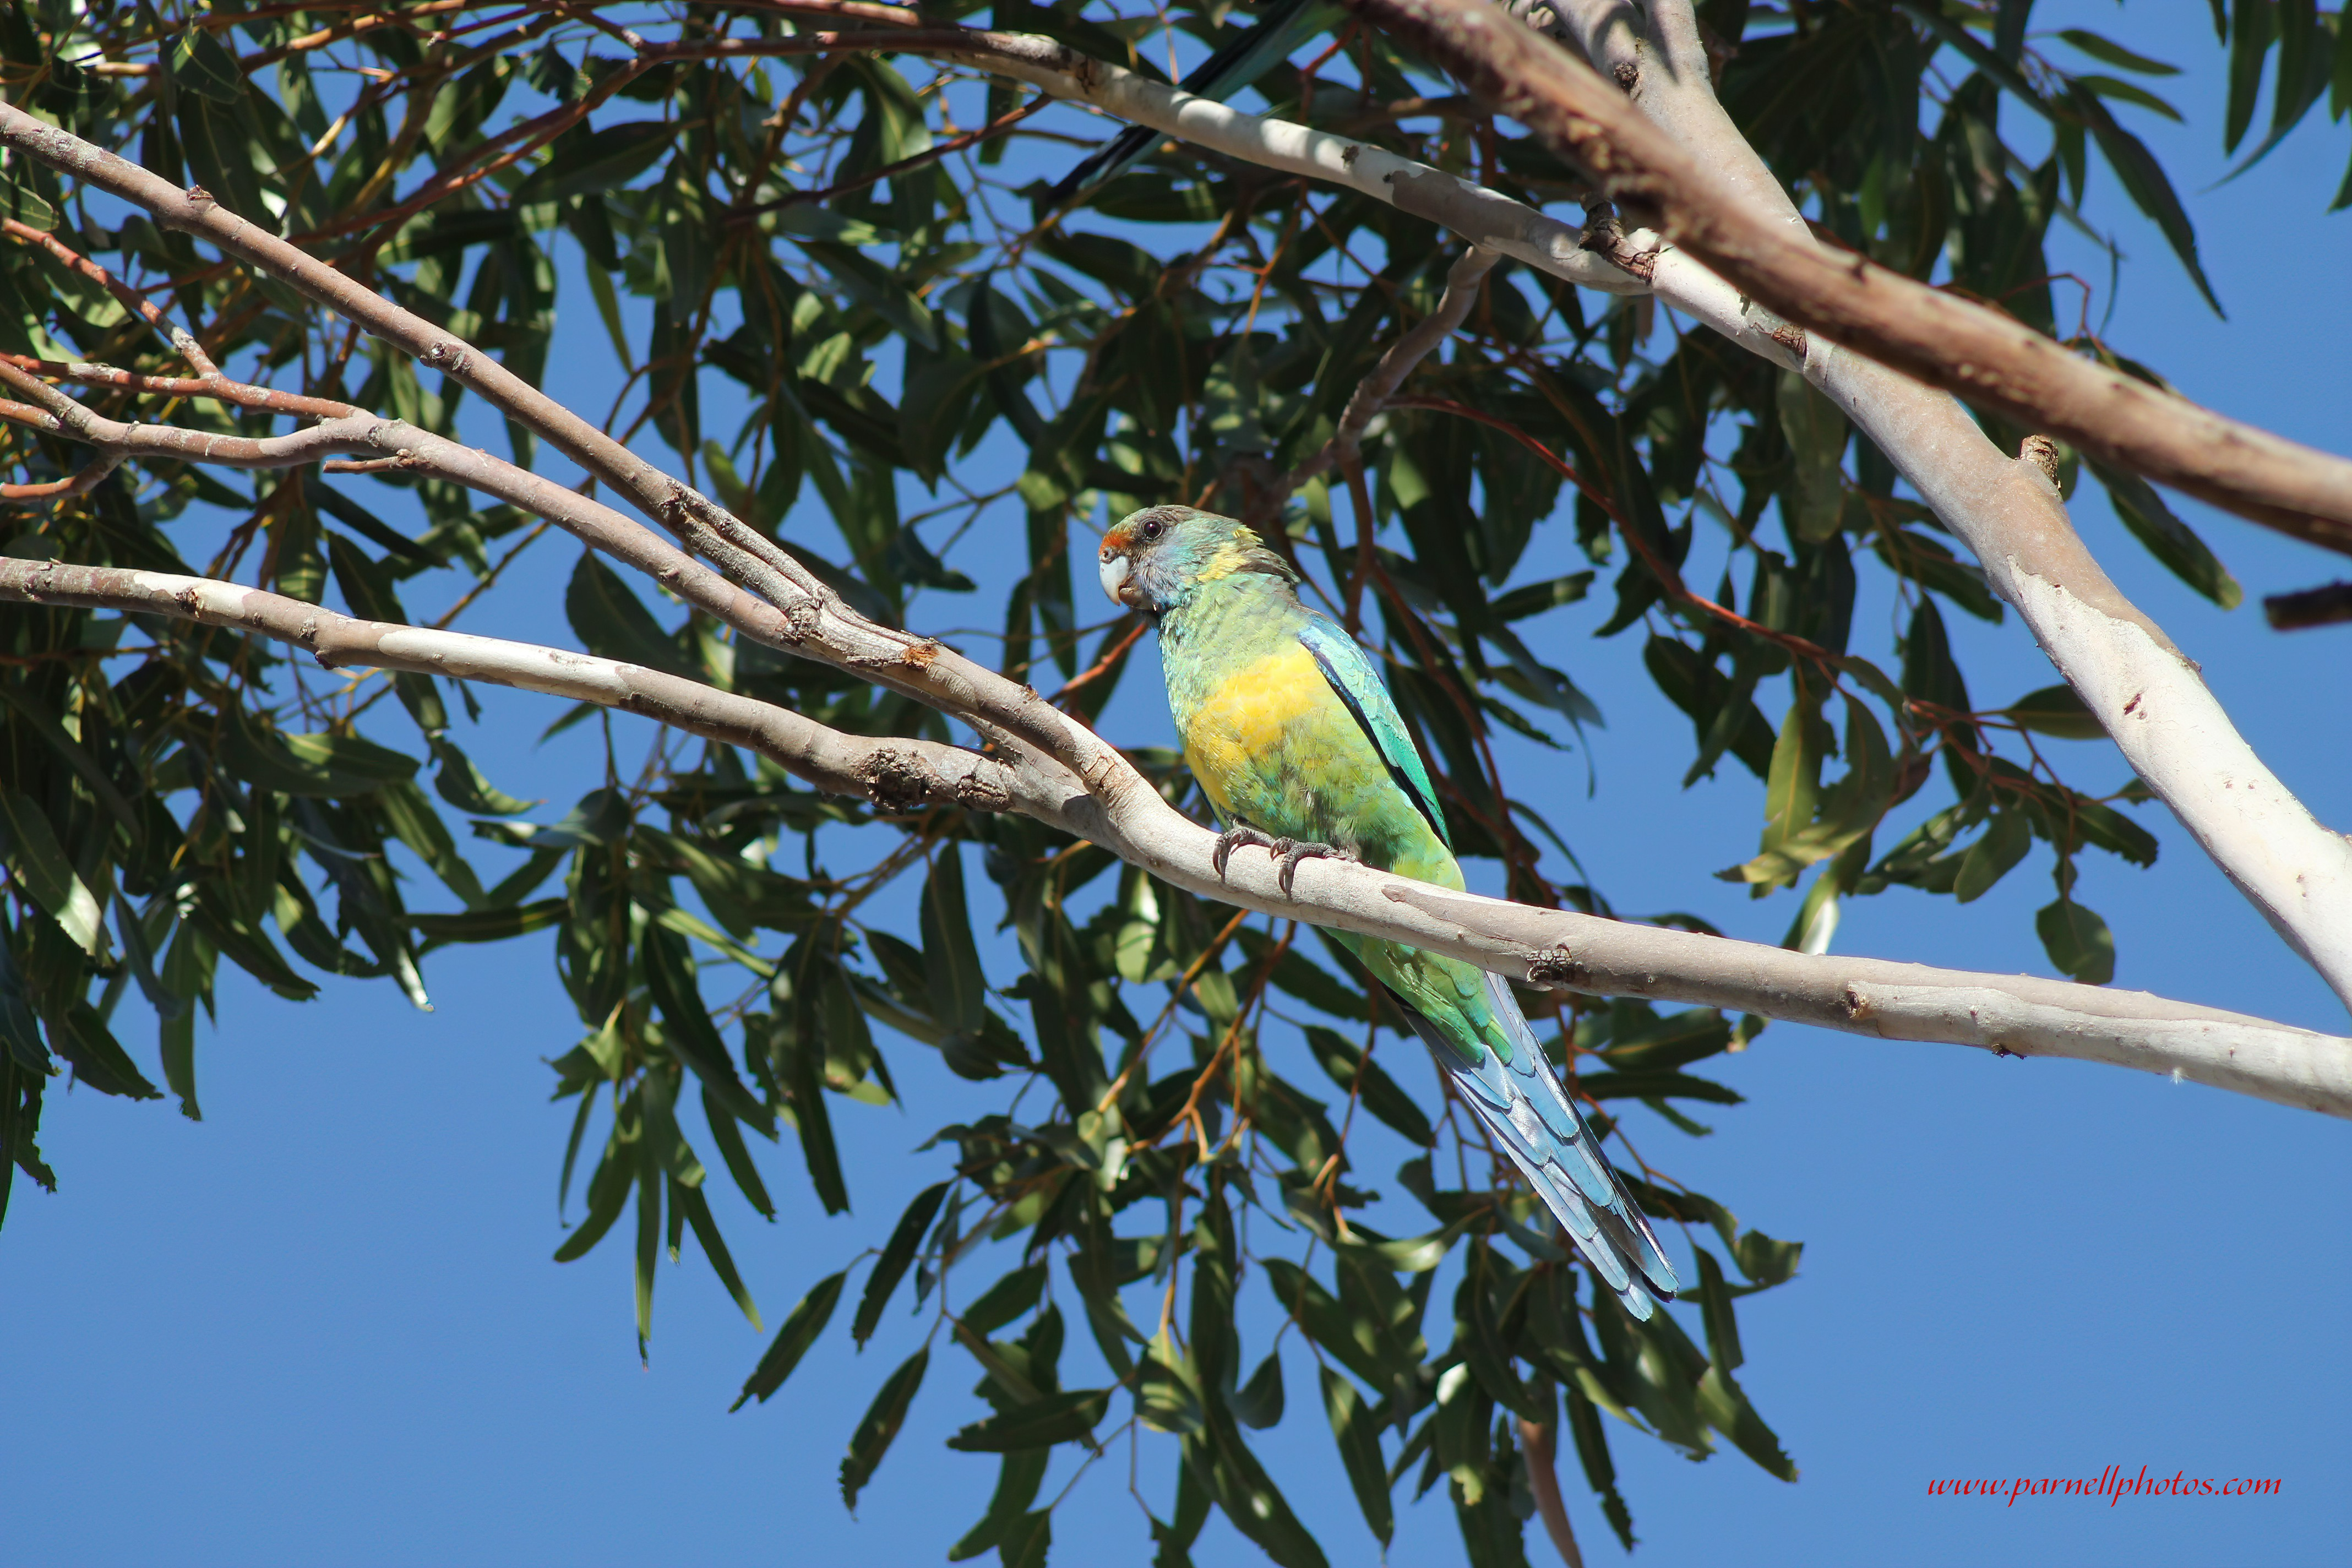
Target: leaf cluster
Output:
[(866, 332)]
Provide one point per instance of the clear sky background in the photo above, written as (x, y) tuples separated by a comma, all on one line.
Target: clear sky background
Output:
[(323, 1327)]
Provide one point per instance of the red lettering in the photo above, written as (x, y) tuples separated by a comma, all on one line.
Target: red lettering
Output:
[(2110, 1484)]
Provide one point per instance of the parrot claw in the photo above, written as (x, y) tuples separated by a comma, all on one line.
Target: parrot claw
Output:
[(1289, 852), (1241, 836)]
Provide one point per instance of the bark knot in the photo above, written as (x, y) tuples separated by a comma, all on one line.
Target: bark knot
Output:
[(983, 791), (1557, 966), (2042, 453), (894, 780)]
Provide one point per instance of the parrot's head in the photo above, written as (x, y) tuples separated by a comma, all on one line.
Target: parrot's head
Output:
[(1156, 559)]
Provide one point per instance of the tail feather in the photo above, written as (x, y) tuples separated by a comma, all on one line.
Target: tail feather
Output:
[(1523, 1106)]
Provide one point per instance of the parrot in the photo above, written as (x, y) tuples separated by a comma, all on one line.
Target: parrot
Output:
[(1293, 736), (1237, 64)]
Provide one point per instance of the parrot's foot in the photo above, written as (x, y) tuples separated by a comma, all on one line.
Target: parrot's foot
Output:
[(1240, 836), (1289, 852)]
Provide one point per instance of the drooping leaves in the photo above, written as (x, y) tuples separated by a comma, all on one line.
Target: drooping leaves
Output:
[(916, 408)]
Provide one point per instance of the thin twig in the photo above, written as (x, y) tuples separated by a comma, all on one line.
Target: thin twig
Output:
[(182, 343), (931, 154), (1543, 1481), (74, 484), (1463, 281)]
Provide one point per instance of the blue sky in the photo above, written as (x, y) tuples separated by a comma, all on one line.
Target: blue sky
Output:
[(323, 1326)]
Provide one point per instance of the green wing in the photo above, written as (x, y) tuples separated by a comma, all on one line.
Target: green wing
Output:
[(1350, 672)]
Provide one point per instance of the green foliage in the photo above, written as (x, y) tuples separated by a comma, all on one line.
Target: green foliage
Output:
[(814, 328)]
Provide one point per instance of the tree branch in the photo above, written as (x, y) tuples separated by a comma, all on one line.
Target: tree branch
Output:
[(1478, 214), (2010, 1015), (2322, 606), (1543, 1481), (813, 619), (707, 528), (2179, 739), (897, 774), (2146, 694), (1462, 283), (237, 394), (1938, 337), (182, 342), (86, 479), (2295, 871)]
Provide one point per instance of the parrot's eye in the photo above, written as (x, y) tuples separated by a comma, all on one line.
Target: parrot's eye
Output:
[(1151, 528)]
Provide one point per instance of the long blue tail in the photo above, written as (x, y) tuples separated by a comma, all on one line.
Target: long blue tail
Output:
[(1521, 1103)]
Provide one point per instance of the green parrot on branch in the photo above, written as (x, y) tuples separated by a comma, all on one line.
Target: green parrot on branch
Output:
[(1292, 735)]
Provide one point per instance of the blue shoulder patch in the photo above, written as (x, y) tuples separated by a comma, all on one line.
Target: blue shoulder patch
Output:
[(1350, 672)]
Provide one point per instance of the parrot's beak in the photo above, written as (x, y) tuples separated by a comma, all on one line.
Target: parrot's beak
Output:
[(1113, 567)]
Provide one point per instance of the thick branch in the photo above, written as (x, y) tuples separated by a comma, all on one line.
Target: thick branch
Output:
[(1945, 340), (897, 774), (814, 622), (2296, 872), (2012, 1014), (1476, 213), (2146, 694), (959, 687)]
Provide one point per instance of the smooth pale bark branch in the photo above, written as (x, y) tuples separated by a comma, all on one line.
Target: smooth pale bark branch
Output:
[(709, 528), (897, 773), (1101, 797), (2293, 869), (1478, 214), (1943, 339), (1940, 338), (2296, 872), (2011, 1014), (915, 664), (2147, 695), (815, 621)]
